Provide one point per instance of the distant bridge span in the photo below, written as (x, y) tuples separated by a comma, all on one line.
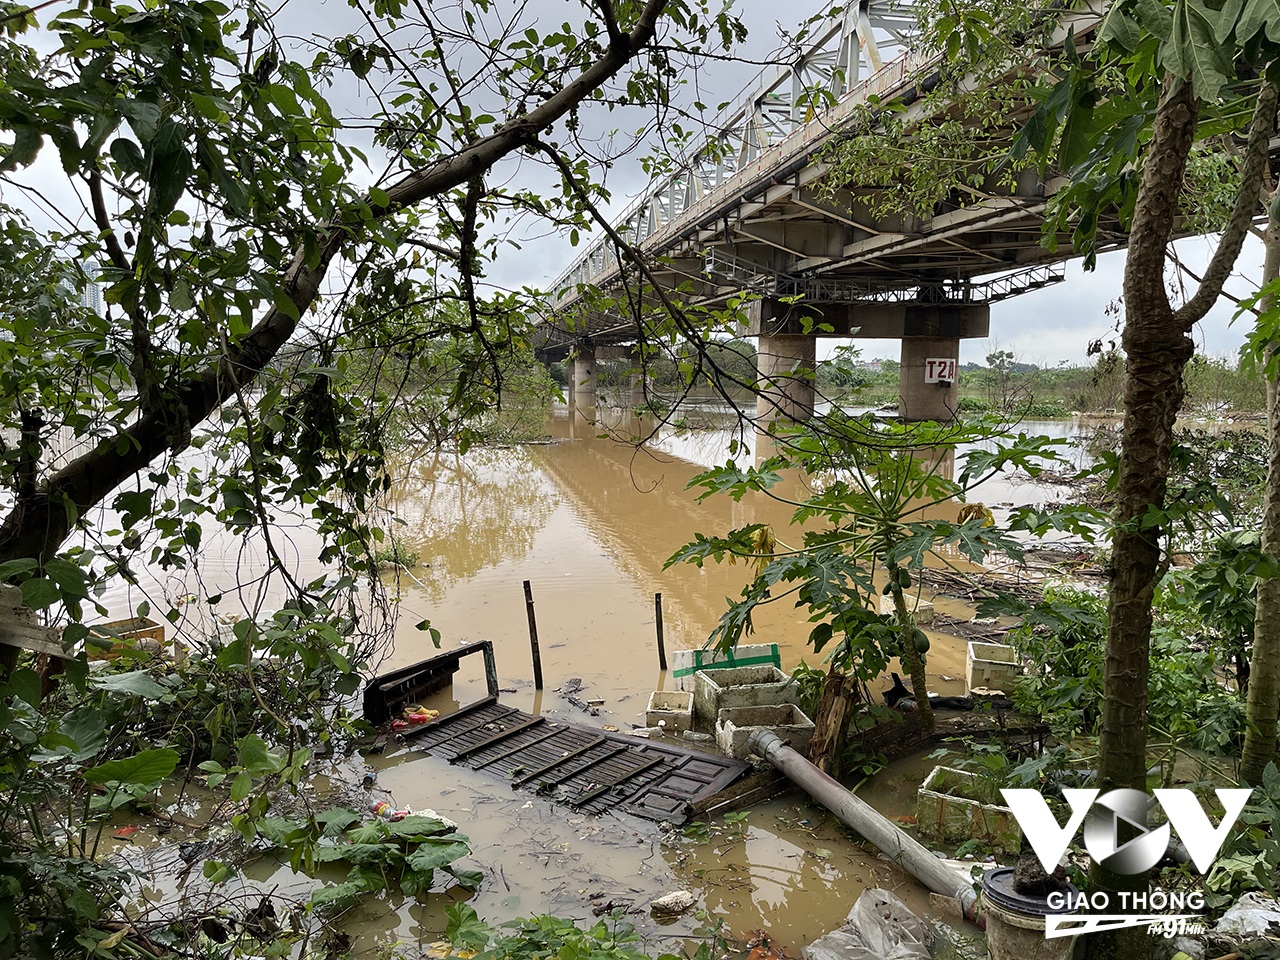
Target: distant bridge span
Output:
[(742, 216)]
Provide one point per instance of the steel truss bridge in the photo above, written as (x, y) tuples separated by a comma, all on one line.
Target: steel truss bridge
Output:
[(744, 214)]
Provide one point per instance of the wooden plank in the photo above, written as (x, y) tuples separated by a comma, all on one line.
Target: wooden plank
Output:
[(555, 732), (19, 627), (565, 778), (385, 694), (497, 738), (555, 763), (30, 637), (663, 779), (590, 795), (448, 726)]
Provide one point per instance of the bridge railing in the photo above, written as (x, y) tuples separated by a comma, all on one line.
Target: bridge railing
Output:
[(741, 148)]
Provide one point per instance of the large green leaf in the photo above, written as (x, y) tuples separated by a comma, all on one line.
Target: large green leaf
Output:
[(142, 769), (1192, 52), (136, 683), (335, 899), (417, 825), (38, 593), (256, 758), (436, 852)]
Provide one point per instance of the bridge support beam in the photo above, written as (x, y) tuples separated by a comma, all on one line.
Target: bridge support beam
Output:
[(582, 376), (785, 369), (921, 400)]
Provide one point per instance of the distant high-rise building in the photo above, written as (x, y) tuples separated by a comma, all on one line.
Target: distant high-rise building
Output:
[(89, 294)]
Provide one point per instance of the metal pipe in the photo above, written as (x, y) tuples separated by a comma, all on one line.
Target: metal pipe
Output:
[(896, 844)]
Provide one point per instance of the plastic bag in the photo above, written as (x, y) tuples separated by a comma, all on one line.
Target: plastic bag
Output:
[(880, 927)]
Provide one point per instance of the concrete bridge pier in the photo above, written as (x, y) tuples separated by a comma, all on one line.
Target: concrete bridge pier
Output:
[(927, 387), (785, 369), (637, 397), (582, 375)]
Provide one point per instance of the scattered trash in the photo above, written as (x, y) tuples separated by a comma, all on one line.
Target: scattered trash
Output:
[(572, 685), (760, 946), (398, 725), (190, 851), (420, 714), (1252, 916), (582, 705), (124, 833), (608, 906), (367, 782), (674, 903), (610, 728), (879, 927), (693, 736), (595, 701)]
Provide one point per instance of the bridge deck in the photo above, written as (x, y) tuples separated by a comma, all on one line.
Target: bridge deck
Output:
[(588, 769)]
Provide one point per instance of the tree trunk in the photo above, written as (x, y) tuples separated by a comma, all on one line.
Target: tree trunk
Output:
[(911, 658), (839, 693), (1157, 348), (1263, 705)]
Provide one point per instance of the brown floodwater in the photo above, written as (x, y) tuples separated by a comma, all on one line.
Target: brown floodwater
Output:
[(590, 522)]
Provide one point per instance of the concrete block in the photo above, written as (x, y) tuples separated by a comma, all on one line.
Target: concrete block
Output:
[(671, 709), (735, 725), (994, 666), (714, 690)]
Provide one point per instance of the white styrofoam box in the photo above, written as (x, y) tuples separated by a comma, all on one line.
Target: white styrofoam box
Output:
[(674, 708), (923, 611), (994, 666), (959, 805), (686, 663), (735, 725), (714, 690)]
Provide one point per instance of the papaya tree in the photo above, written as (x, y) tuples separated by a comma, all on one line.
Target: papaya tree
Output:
[(888, 500)]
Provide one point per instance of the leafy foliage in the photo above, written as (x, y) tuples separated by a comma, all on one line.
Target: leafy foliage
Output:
[(868, 523), (1064, 635)]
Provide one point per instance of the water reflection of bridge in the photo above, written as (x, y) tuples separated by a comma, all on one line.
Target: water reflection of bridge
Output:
[(635, 500)]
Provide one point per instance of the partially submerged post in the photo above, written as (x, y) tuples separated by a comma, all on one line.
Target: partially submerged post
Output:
[(533, 636), (893, 842), (662, 648)]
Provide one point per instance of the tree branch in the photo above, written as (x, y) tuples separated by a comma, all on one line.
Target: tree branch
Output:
[(518, 131), (39, 530), (103, 222), (1242, 213)]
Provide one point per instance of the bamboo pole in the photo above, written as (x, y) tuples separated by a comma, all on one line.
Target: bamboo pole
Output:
[(533, 636), (662, 648)]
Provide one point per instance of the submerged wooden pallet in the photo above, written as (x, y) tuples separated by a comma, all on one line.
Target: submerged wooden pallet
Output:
[(588, 769)]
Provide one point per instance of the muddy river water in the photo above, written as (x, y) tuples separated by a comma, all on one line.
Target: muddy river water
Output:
[(590, 523)]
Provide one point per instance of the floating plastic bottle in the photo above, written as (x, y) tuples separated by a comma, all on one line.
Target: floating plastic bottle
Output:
[(384, 811)]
